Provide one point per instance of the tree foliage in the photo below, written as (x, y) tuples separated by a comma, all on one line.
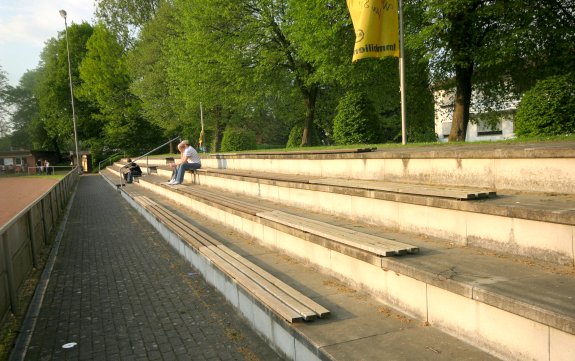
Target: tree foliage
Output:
[(237, 139), (25, 119), (141, 73), (53, 88), (548, 108), (148, 64), (106, 85), (5, 127), (356, 121), (493, 46), (126, 17)]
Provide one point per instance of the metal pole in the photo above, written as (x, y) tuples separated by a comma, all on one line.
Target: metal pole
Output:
[(402, 74), (63, 14)]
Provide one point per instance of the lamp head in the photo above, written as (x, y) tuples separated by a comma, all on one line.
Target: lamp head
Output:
[(63, 13)]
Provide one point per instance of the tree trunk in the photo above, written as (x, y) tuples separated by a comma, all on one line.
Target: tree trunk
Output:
[(462, 103), (461, 42), (310, 97)]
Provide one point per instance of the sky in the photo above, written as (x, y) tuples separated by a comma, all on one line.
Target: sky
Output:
[(25, 26)]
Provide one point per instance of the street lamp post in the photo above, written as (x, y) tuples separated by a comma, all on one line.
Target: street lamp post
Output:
[(63, 14)]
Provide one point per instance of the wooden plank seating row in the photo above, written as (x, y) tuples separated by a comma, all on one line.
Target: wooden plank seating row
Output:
[(380, 246), (281, 298), (233, 203), (460, 193)]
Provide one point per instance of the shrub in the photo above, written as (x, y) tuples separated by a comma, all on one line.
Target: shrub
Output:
[(355, 121), (237, 139), (548, 108), (296, 133)]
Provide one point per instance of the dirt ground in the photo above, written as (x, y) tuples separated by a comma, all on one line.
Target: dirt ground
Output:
[(18, 192)]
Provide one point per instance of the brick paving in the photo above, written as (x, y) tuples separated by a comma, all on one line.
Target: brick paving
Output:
[(119, 292)]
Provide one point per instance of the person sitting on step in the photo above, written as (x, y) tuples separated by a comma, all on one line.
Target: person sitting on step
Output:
[(175, 165), (132, 170), (190, 160)]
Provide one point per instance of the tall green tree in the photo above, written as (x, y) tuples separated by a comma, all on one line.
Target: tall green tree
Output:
[(238, 51), (493, 46), (106, 85), (25, 117), (147, 64), (323, 32), (53, 90), (5, 88), (125, 18)]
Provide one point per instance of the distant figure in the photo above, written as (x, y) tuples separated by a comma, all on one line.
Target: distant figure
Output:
[(190, 160), (39, 168), (47, 166), (132, 170)]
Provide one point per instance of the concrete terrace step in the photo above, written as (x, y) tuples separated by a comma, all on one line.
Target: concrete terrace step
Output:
[(516, 308), (536, 167), (540, 226), (356, 324)]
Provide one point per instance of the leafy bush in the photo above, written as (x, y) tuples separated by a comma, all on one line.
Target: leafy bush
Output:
[(548, 108), (296, 133), (356, 121), (237, 139)]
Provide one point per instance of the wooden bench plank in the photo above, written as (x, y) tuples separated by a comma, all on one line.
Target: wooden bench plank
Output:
[(260, 293), (284, 300), (265, 284), (319, 310), (374, 244), (418, 189)]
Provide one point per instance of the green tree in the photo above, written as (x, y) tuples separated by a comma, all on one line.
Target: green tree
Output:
[(490, 46), (5, 88), (323, 32), (237, 139), (548, 108), (356, 121), (249, 57), (148, 65), (125, 18), (105, 84), (53, 90), (26, 113)]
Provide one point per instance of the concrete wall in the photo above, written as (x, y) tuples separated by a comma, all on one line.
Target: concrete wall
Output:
[(526, 169), (23, 237)]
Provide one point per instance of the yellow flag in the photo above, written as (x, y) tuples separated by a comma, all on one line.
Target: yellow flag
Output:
[(376, 28)]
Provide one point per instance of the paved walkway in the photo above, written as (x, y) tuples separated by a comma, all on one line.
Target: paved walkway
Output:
[(118, 292)]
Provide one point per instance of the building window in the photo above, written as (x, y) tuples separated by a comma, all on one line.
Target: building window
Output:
[(488, 129), (446, 128)]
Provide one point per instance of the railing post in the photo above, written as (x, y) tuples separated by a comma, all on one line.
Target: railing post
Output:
[(32, 239), (10, 274)]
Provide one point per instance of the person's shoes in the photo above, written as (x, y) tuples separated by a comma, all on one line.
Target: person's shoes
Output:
[(171, 182)]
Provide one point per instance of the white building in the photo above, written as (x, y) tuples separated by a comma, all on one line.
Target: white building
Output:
[(477, 130)]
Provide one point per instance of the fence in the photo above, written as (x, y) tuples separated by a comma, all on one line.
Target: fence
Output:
[(24, 236), (50, 170)]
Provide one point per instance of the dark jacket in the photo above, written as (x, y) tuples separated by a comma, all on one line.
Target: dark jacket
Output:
[(135, 169)]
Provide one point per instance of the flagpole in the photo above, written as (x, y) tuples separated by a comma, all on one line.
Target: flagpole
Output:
[(202, 130), (402, 73)]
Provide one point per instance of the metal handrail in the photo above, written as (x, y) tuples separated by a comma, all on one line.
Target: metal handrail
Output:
[(110, 157), (145, 155)]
